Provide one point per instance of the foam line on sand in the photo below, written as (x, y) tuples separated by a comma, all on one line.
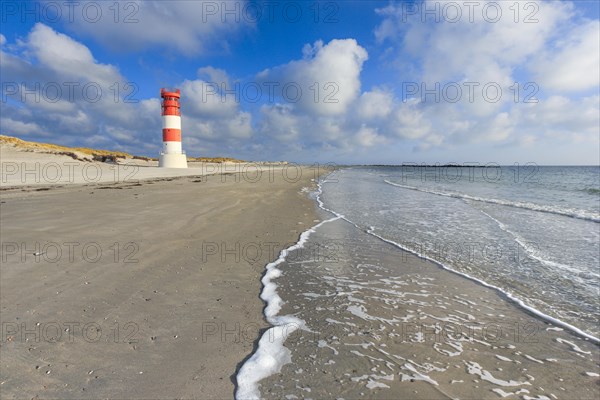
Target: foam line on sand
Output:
[(271, 354)]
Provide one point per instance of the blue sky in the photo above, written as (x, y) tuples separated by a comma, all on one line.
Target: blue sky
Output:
[(305, 81)]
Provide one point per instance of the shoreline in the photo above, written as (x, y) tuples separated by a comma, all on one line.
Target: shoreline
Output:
[(532, 344), (193, 289), (270, 350), (170, 309)]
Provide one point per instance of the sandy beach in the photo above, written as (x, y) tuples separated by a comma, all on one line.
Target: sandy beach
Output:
[(318, 200), (139, 289), (26, 167), (149, 288)]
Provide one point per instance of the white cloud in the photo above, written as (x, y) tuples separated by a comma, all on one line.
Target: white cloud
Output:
[(467, 47), (63, 79), (279, 122), (376, 119), (205, 99), (563, 116), (375, 104), (499, 129), (210, 112), (328, 77), (214, 75), (67, 57), (575, 63), (470, 50), (240, 126), (368, 137), (16, 127), (558, 52), (187, 27), (409, 122)]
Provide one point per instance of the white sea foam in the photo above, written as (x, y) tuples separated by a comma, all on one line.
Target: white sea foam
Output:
[(417, 375), (375, 384), (360, 312), (314, 295), (527, 356), (580, 214), (271, 354), (455, 345), (323, 343), (474, 368), (502, 393), (575, 348), (359, 378)]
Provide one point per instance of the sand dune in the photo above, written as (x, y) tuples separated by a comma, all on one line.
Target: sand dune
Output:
[(28, 163)]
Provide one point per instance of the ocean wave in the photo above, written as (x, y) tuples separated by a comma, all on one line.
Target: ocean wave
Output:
[(579, 214), (510, 296), (534, 253), (592, 191)]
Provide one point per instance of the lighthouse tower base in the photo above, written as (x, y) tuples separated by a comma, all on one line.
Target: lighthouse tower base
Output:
[(172, 160)]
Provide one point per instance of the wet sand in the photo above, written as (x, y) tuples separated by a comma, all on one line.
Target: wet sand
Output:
[(140, 289)]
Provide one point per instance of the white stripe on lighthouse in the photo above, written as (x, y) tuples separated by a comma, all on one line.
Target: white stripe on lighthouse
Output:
[(172, 147), (171, 122)]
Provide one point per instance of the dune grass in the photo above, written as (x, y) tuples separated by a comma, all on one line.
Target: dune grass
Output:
[(55, 148), (96, 153)]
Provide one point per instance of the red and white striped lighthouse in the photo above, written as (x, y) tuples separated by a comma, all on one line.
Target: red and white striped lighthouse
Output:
[(171, 156)]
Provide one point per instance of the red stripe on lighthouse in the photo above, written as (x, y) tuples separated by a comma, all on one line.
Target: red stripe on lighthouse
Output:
[(171, 135)]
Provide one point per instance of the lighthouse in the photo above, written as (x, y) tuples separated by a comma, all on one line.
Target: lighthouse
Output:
[(171, 156)]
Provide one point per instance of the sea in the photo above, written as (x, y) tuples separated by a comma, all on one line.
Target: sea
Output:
[(403, 250)]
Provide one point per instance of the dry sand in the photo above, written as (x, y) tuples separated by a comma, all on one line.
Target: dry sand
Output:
[(26, 167), (143, 289)]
